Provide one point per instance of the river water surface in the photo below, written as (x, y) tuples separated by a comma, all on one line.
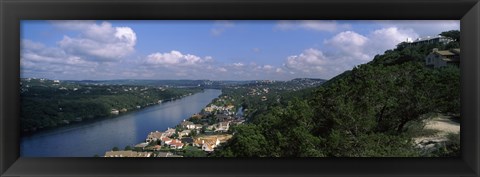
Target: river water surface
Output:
[(95, 138)]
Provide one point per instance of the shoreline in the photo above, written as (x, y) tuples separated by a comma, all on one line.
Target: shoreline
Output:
[(87, 121), (168, 149)]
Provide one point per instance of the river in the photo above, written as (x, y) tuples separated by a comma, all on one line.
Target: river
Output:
[(86, 140)]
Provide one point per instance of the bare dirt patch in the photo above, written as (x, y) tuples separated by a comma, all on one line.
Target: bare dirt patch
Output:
[(444, 125)]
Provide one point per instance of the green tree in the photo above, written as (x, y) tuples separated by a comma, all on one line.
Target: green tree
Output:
[(452, 34), (191, 151)]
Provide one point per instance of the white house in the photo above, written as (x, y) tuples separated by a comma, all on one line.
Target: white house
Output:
[(207, 143), (223, 126), (188, 125)]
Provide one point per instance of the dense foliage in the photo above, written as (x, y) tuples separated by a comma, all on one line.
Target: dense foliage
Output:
[(48, 105), (364, 112)]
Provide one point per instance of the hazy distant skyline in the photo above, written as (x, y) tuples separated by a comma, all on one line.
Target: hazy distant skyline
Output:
[(213, 50)]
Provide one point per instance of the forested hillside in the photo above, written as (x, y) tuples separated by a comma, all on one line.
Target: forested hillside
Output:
[(46, 104), (374, 110)]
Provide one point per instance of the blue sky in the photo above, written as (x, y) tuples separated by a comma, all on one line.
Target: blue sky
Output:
[(215, 50)]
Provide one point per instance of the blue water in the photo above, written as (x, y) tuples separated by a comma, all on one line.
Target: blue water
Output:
[(86, 140)]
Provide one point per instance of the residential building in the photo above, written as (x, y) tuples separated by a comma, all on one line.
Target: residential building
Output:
[(141, 145), (198, 126), (166, 141), (441, 58), (429, 40), (207, 143), (223, 126), (176, 144), (114, 111), (184, 133), (155, 136), (169, 132), (187, 124)]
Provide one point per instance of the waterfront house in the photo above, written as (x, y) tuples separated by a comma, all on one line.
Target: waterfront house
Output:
[(127, 154), (114, 111), (155, 136), (198, 126), (196, 116), (141, 145), (184, 133), (441, 58), (169, 132), (187, 125)]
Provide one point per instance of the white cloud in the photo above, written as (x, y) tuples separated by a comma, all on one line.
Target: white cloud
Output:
[(422, 27), (316, 25), (268, 67), (33, 52), (175, 58), (359, 47), (100, 42), (349, 44), (222, 69), (220, 27), (90, 49), (346, 50), (238, 64), (310, 61), (387, 38)]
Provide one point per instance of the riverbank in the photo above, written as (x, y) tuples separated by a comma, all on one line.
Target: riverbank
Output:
[(111, 114), (85, 140), (197, 136)]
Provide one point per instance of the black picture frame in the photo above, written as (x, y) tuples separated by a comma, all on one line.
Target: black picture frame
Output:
[(12, 11)]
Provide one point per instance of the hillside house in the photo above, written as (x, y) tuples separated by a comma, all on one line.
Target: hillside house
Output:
[(188, 125), (184, 133), (169, 132), (207, 143), (141, 145), (429, 40), (441, 58), (176, 144), (166, 141), (223, 126), (155, 136)]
